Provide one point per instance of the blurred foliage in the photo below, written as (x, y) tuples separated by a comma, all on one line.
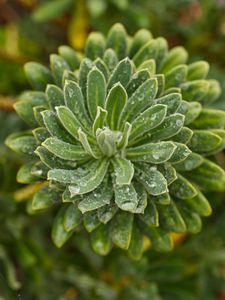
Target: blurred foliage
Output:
[(30, 267)]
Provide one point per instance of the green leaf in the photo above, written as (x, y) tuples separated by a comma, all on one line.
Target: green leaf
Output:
[(163, 199), (99, 63), (213, 92), (193, 161), (194, 90), (107, 141), (117, 40), (24, 174), (172, 101), (70, 56), (197, 70), (182, 188), (96, 199), (171, 219), (199, 204), (181, 153), (121, 74), (162, 51), (115, 102), (149, 119), (142, 198), (153, 181), (141, 37), (58, 66), (99, 119), (210, 118), (54, 126), (150, 216), (136, 80), (155, 153), (86, 145), (68, 120), (183, 136), (110, 58), (59, 234), (75, 102), (168, 128), (87, 183), (66, 197), (44, 198), (141, 99), (204, 141), (126, 197), (123, 169), (160, 239), (40, 170), (168, 172), (96, 91), (175, 57), (37, 110), (24, 107), (208, 176), (161, 83), (95, 45), (100, 240), (136, 247), (194, 109), (40, 134), (91, 221), (121, 230), (85, 67), (107, 212), (176, 76), (54, 96), (123, 142), (69, 75), (192, 219), (147, 51), (22, 143), (65, 150), (72, 217), (37, 75)]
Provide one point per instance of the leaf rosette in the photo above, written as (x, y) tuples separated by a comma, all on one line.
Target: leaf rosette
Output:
[(121, 136)]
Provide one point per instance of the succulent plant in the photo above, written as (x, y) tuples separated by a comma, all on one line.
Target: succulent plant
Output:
[(121, 135)]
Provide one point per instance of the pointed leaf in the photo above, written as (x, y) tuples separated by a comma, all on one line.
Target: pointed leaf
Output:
[(72, 217), (54, 96), (85, 67), (110, 58), (126, 197), (99, 119), (121, 73), (182, 188), (58, 66), (192, 162), (136, 80), (150, 216), (147, 51), (44, 198), (141, 37), (107, 212), (123, 169), (172, 101), (91, 221), (181, 153)]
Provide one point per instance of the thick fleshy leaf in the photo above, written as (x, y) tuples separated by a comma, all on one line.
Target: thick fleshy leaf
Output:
[(168, 172), (136, 80), (197, 70), (141, 99), (176, 76), (72, 217), (24, 174), (141, 37), (204, 141), (110, 58), (183, 136), (70, 56), (100, 240), (208, 176), (136, 247), (66, 197), (153, 181), (149, 119), (63, 175), (181, 153), (96, 199), (38, 110), (210, 118), (95, 45), (23, 143), (122, 73), (168, 128), (117, 40), (142, 198), (163, 199), (171, 219), (65, 150), (99, 119), (40, 134), (87, 183), (96, 91), (44, 198), (59, 234), (213, 92), (160, 239), (38, 75), (123, 170), (107, 141), (192, 219), (121, 230), (155, 153), (175, 57), (194, 90), (150, 216), (125, 136), (86, 145), (99, 63), (146, 52), (182, 188), (161, 84), (91, 221), (162, 51), (192, 162), (85, 67), (58, 66), (149, 65), (107, 212), (54, 96), (126, 197), (194, 109), (172, 101), (115, 102)]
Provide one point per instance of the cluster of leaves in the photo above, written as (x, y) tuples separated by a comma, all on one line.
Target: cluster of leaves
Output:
[(115, 144)]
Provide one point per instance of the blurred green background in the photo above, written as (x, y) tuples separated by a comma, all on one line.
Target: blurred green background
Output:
[(31, 268)]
